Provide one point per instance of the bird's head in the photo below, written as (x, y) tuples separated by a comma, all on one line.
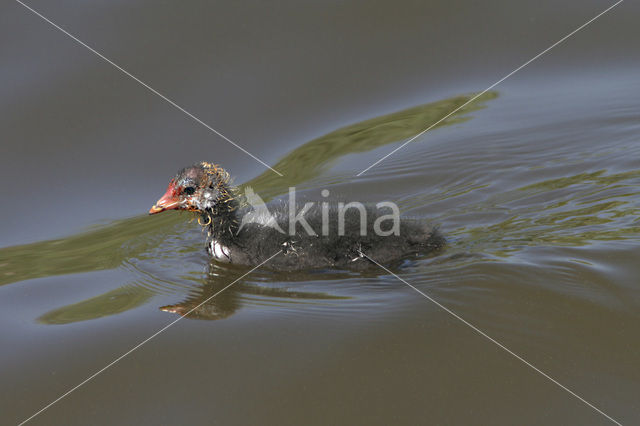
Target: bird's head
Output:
[(203, 187)]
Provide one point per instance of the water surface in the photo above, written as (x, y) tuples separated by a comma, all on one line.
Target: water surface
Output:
[(536, 186)]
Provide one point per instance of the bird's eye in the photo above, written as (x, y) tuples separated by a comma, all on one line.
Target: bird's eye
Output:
[(189, 190)]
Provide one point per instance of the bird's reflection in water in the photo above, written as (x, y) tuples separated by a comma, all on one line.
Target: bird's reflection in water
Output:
[(212, 301)]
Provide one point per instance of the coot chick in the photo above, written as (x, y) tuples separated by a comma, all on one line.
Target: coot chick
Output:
[(241, 231)]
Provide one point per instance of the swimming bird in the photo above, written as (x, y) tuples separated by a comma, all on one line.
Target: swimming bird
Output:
[(241, 230)]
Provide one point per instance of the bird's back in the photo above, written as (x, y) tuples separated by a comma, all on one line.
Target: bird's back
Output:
[(332, 242)]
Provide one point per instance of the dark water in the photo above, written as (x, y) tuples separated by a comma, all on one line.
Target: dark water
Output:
[(536, 185)]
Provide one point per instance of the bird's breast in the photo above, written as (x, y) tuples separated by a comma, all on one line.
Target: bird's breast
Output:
[(219, 251)]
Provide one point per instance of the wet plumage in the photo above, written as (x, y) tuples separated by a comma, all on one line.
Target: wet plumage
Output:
[(238, 233)]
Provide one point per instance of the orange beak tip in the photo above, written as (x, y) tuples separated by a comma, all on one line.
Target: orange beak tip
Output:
[(155, 209)]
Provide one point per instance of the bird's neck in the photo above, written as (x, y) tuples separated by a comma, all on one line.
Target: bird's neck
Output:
[(221, 221)]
